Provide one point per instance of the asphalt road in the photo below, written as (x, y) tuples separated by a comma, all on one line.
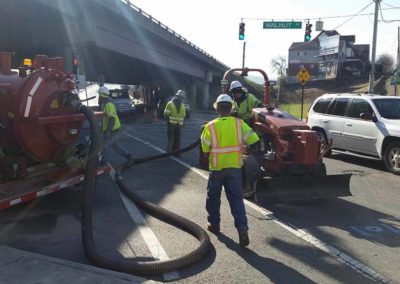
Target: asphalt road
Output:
[(364, 227)]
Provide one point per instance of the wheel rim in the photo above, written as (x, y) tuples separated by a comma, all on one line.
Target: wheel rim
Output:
[(321, 138), (394, 158)]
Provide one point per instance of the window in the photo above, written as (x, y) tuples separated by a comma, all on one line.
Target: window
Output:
[(338, 106), (388, 108), (358, 106), (321, 105)]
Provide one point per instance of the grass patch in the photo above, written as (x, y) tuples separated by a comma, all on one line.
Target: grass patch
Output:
[(295, 109)]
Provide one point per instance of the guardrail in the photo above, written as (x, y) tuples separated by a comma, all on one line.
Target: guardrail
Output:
[(172, 32)]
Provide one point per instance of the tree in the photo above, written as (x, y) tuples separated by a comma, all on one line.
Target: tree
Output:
[(279, 65), (387, 63)]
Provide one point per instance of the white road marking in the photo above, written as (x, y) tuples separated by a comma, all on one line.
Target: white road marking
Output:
[(154, 245), (302, 234)]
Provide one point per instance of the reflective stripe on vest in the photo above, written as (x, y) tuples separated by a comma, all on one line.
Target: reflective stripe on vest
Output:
[(216, 150)]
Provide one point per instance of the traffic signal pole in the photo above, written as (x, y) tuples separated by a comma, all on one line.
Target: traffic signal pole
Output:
[(372, 72), (244, 54)]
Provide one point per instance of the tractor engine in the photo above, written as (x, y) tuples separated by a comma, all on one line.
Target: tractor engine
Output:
[(38, 122), (287, 144)]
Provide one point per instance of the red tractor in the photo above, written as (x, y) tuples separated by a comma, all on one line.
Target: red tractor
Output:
[(289, 160)]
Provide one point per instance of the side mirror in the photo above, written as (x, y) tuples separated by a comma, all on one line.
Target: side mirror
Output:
[(368, 116)]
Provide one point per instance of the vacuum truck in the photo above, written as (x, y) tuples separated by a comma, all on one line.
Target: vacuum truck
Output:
[(39, 130)]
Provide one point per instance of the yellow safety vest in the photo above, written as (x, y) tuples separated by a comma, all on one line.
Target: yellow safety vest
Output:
[(245, 108), (223, 138), (175, 117), (110, 111)]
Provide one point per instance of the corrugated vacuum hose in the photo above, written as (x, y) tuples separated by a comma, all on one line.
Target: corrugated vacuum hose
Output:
[(131, 265)]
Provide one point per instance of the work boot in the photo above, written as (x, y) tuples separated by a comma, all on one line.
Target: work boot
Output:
[(214, 229), (243, 238)]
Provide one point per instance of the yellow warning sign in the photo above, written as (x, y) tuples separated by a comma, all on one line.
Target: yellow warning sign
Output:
[(303, 76)]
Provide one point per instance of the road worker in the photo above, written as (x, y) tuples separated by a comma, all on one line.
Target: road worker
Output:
[(244, 101), (224, 139), (111, 127), (174, 115)]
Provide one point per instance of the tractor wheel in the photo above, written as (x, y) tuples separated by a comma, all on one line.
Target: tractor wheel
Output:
[(392, 157), (319, 170), (324, 142), (250, 175)]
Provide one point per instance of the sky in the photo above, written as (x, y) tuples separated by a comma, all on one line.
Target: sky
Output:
[(213, 25)]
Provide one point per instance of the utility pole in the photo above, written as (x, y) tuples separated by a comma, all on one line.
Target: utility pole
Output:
[(244, 53), (398, 62), (372, 72)]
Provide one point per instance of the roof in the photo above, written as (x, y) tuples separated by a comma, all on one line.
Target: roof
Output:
[(328, 33), (301, 46)]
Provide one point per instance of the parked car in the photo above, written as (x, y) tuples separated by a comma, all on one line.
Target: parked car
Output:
[(122, 101), (363, 125)]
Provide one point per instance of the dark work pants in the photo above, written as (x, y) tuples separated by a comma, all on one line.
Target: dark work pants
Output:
[(231, 180), (174, 137), (113, 144)]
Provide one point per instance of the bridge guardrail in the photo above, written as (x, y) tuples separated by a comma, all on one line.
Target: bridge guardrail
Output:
[(139, 10)]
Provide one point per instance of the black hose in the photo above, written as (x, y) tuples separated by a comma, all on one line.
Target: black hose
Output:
[(131, 265)]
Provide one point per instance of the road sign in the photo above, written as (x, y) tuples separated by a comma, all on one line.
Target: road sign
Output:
[(282, 25), (303, 76), (319, 26), (272, 82)]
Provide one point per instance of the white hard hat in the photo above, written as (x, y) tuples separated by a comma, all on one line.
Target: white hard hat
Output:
[(235, 84), (104, 92), (223, 98), (180, 93)]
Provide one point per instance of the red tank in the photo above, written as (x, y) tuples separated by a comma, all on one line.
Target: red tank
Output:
[(36, 115)]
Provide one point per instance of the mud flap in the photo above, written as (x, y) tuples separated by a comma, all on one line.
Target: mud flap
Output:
[(291, 188)]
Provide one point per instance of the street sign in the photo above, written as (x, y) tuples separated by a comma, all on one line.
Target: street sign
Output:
[(272, 82), (303, 76), (319, 26), (282, 25)]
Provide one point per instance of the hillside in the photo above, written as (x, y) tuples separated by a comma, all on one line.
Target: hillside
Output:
[(312, 90)]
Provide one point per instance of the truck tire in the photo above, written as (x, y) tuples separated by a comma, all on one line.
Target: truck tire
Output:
[(324, 141), (392, 157)]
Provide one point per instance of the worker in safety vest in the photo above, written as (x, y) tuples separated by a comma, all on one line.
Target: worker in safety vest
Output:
[(224, 139), (111, 126), (174, 115), (244, 101)]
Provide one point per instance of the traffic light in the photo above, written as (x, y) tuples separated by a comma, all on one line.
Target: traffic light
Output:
[(307, 35), (75, 64), (241, 31)]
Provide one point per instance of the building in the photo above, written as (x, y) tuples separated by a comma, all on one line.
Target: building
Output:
[(328, 56)]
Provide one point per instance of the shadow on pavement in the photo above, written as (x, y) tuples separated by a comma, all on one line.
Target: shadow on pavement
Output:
[(275, 271)]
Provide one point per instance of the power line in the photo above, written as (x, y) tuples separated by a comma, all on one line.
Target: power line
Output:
[(353, 16), (386, 21), (320, 18)]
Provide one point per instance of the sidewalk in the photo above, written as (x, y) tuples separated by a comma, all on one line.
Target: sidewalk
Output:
[(18, 266)]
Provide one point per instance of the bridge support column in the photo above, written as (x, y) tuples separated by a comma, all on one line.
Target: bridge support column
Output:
[(205, 100), (193, 95), (67, 54)]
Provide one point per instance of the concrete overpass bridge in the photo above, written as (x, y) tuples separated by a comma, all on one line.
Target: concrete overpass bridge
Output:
[(113, 41)]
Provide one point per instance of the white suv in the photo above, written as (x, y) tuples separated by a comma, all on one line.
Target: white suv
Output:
[(365, 125)]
